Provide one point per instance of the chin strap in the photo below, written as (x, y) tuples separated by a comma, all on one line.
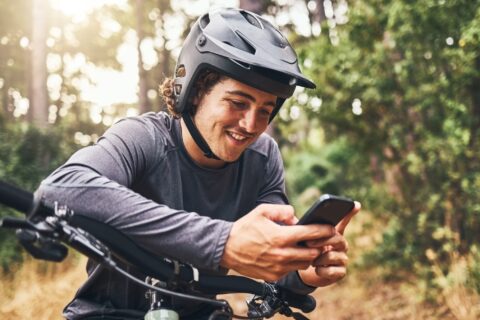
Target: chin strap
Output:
[(197, 137)]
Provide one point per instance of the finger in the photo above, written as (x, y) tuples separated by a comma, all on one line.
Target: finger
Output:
[(294, 266), (331, 258), (299, 233), (331, 273), (294, 255), (278, 213), (344, 222), (337, 242)]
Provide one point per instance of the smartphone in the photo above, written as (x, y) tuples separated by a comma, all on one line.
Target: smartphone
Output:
[(328, 209)]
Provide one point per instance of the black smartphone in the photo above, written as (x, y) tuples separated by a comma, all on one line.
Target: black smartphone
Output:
[(328, 209)]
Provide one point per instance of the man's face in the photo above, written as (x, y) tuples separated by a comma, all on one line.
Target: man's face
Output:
[(232, 116)]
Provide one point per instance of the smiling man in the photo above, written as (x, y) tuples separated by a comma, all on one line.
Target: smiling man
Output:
[(231, 117), (203, 184)]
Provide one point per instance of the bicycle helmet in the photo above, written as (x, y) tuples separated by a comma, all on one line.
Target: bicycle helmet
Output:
[(243, 46)]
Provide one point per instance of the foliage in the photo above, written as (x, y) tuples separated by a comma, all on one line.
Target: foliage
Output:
[(27, 155), (401, 89), (393, 123)]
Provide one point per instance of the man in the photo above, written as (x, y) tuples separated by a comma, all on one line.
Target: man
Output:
[(203, 185)]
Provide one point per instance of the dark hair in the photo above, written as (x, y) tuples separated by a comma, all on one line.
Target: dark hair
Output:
[(204, 84)]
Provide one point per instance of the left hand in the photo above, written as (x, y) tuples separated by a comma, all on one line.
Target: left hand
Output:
[(331, 265)]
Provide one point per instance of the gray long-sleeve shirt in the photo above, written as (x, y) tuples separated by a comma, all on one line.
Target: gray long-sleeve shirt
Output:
[(139, 179)]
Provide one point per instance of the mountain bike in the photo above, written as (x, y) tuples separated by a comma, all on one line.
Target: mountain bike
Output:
[(46, 232)]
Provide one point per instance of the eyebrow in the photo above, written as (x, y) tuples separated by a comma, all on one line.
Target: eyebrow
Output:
[(250, 97)]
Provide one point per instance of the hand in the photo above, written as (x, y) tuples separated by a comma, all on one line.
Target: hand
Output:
[(331, 265), (259, 247)]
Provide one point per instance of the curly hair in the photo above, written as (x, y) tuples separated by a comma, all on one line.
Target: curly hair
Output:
[(204, 84)]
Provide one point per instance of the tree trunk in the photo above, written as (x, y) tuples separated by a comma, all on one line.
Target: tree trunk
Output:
[(143, 104), (256, 6), (163, 5), (318, 14), (39, 94)]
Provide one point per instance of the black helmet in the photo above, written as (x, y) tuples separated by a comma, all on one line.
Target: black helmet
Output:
[(243, 46)]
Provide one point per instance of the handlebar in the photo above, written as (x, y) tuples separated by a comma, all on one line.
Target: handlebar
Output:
[(15, 198), (125, 249)]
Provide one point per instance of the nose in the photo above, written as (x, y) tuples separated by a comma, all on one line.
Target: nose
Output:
[(249, 121)]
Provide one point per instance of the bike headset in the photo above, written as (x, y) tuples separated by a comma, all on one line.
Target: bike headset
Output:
[(243, 46)]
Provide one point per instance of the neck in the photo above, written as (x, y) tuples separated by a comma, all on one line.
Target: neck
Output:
[(195, 152)]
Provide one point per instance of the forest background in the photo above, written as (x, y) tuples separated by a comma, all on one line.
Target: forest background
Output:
[(394, 123)]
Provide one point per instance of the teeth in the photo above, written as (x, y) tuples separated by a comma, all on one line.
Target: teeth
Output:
[(237, 136)]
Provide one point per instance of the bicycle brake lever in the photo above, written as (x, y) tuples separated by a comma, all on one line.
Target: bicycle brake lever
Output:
[(41, 247)]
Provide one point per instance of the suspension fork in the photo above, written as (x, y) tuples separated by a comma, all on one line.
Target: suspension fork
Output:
[(160, 306)]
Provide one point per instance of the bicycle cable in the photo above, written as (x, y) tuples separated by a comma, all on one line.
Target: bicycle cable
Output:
[(218, 303)]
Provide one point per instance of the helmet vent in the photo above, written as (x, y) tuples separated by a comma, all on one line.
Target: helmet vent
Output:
[(178, 89), (180, 72), (246, 46), (241, 64), (252, 19), (204, 21)]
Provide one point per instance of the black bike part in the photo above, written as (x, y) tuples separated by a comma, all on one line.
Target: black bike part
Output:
[(306, 303), (15, 223), (218, 303), (41, 247), (127, 250), (230, 284), (15, 198), (124, 248)]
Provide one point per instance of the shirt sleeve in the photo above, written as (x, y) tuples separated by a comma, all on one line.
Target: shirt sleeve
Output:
[(96, 182)]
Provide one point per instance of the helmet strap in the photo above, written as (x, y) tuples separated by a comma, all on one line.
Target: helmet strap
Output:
[(197, 136)]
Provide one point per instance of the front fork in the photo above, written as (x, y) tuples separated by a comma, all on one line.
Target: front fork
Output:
[(160, 309), (161, 306), (161, 314)]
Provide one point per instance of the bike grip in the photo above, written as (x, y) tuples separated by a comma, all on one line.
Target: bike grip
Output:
[(14, 223), (306, 303), (15, 198)]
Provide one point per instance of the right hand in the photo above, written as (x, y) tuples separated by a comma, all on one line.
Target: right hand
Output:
[(258, 247)]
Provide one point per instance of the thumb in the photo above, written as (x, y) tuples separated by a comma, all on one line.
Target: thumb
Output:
[(344, 222), (284, 214)]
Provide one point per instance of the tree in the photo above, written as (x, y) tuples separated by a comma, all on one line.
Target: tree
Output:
[(39, 96), (256, 6), (143, 104), (401, 86)]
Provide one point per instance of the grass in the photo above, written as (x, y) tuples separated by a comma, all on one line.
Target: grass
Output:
[(39, 290)]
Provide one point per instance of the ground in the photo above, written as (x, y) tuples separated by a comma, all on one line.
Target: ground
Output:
[(40, 290)]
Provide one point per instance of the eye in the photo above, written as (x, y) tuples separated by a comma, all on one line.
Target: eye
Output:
[(237, 104), (266, 112)]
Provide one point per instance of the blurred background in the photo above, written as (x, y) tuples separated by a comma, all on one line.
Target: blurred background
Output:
[(394, 123)]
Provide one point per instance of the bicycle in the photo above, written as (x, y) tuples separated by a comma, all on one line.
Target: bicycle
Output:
[(46, 232)]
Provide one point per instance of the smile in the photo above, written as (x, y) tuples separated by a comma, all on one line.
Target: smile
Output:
[(237, 136)]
